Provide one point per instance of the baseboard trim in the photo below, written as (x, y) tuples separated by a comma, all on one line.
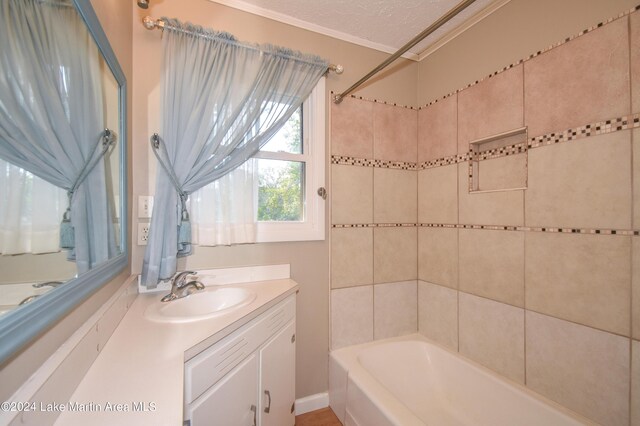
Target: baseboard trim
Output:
[(312, 403)]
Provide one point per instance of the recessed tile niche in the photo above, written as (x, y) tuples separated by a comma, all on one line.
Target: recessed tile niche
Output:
[(499, 162)]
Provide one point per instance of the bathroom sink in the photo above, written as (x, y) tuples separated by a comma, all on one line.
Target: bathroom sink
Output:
[(202, 305)]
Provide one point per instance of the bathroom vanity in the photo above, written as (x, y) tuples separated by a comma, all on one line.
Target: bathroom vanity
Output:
[(247, 378), (234, 368)]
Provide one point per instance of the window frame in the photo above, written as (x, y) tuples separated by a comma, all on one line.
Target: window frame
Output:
[(313, 156)]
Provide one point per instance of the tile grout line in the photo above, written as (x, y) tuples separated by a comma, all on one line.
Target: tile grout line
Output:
[(417, 199), (524, 302), (373, 232), (331, 218), (629, 28), (524, 222), (458, 221)]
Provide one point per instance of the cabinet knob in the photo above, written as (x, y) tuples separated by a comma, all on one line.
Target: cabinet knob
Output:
[(293, 338)]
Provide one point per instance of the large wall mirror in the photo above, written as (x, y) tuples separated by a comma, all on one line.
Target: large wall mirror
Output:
[(62, 164)]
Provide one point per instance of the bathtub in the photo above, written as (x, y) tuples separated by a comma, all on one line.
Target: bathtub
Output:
[(12, 294), (412, 381)]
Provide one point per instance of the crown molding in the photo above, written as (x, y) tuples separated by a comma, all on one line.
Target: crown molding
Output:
[(289, 20)]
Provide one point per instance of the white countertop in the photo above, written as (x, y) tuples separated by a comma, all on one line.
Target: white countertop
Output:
[(143, 362)]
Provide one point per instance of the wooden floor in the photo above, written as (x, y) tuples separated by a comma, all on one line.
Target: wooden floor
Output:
[(324, 417)]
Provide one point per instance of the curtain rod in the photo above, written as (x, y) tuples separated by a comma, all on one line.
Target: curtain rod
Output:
[(151, 24), (417, 39)]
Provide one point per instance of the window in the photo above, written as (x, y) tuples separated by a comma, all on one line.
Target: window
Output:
[(274, 196), (290, 171), (26, 227)]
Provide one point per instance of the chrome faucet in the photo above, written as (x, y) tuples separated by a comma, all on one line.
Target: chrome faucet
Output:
[(28, 299), (181, 288), (51, 284), (48, 284)]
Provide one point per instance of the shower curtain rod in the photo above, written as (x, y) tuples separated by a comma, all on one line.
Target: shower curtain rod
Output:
[(417, 39), (151, 24)]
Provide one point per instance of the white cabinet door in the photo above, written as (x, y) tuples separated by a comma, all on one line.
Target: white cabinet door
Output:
[(278, 378), (230, 402)]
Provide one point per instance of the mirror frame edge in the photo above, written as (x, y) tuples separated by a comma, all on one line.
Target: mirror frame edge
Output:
[(28, 323)]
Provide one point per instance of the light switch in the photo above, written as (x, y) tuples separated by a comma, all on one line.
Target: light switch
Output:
[(145, 206)]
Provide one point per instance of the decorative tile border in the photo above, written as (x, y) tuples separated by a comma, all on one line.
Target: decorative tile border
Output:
[(533, 55), (375, 225), (402, 165), (375, 101), (593, 129), (590, 231), (446, 161), (593, 231), (364, 162), (519, 148), (344, 160)]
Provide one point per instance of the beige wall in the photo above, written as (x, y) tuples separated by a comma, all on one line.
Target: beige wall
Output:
[(114, 17), (309, 260), (515, 31)]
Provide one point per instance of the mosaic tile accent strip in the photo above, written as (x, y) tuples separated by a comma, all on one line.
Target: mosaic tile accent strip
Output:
[(403, 165), (591, 231), (625, 232), (533, 55), (376, 101), (446, 161), (375, 225), (351, 161), (364, 162), (493, 74), (519, 148), (593, 129)]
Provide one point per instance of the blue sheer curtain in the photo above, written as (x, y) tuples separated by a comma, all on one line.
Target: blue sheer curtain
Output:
[(51, 114), (222, 100)]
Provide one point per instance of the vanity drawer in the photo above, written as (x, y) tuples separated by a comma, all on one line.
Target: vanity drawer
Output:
[(205, 369)]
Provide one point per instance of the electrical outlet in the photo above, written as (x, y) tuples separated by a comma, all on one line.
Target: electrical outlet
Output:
[(143, 234)]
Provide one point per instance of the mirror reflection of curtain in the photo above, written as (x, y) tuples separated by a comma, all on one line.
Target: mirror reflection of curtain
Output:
[(222, 100), (26, 227), (51, 113)]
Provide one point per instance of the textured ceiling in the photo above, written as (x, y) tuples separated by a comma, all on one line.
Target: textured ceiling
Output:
[(386, 23)]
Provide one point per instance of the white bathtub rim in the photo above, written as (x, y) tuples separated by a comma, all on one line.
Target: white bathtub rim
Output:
[(347, 358), (387, 403)]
